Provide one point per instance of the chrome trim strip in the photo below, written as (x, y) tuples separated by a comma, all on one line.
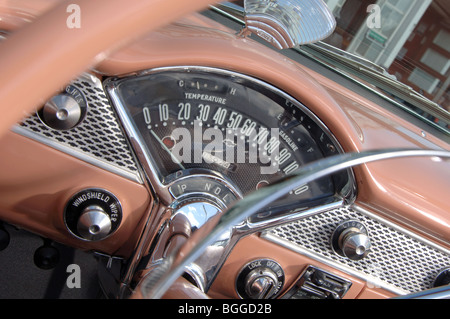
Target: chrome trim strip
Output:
[(78, 154), (144, 156), (435, 293)]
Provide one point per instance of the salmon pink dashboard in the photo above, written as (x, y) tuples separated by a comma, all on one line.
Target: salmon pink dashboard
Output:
[(187, 120)]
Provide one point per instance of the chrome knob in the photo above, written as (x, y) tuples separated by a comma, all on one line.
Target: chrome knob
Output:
[(260, 279), (94, 223), (261, 284), (93, 214), (351, 240), (65, 110), (355, 245), (62, 112)]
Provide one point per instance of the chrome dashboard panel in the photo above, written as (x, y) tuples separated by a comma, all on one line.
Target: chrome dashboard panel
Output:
[(98, 139), (399, 261)]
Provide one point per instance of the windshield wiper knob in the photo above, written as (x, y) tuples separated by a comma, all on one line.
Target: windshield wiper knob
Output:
[(94, 223)]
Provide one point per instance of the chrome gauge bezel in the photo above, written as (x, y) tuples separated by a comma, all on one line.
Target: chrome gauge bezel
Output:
[(162, 208), (148, 162)]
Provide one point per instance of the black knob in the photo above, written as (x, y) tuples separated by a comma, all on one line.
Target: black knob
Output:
[(46, 257), (4, 238), (443, 278)]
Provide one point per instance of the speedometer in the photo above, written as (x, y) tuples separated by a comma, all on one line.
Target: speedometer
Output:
[(200, 121)]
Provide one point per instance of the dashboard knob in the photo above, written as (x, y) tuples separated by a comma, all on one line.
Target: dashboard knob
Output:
[(355, 245), (261, 284), (93, 214), (260, 279), (62, 112), (94, 223), (443, 278), (351, 240), (65, 110)]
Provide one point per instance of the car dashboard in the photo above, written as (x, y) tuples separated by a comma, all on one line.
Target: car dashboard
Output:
[(191, 118)]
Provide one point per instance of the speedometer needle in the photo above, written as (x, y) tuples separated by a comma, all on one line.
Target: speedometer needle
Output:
[(174, 159)]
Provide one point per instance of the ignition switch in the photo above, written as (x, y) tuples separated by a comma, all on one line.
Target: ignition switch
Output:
[(260, 279)]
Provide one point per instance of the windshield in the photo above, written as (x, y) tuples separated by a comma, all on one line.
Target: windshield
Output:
[(408, 40)]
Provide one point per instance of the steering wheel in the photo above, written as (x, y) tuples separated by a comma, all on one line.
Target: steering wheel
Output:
[(33, 52), (155, 285)]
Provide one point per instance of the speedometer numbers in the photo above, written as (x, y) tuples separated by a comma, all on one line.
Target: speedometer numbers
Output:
[(225, 124)]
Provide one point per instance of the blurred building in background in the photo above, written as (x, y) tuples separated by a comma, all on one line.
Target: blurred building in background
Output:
[(411, 40)]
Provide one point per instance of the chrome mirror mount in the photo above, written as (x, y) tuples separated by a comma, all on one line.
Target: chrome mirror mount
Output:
[(288, 23)]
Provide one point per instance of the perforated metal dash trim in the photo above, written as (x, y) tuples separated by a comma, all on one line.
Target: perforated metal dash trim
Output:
[(98, 140), (396, 259)]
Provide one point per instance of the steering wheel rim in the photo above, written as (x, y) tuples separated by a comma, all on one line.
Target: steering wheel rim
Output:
[(155, 285), (36, 51)]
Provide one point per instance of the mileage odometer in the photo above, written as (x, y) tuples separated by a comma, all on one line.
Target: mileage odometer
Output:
[(241, 128)]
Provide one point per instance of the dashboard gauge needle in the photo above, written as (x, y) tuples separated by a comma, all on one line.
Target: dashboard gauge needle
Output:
[(174, 159)]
